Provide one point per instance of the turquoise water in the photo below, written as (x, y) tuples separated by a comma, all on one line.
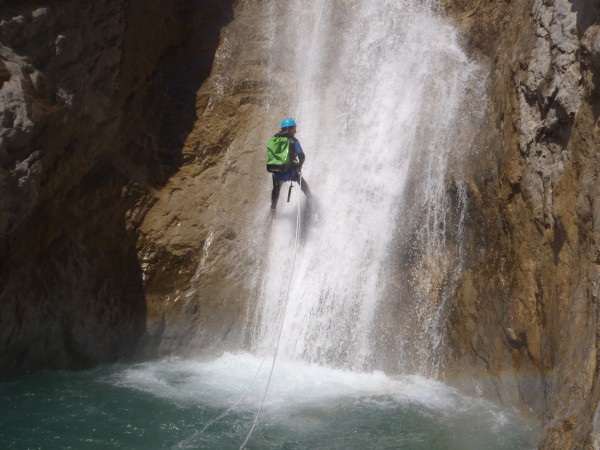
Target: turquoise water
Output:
[(167, 404)]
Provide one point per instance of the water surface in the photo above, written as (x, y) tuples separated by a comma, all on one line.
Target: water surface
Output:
[(172, 404)]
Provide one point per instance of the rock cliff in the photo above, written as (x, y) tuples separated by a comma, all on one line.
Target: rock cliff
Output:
[(199, 243), (524, 318), (129, 134), (96, 99)]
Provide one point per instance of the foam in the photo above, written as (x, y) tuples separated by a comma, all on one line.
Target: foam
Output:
[(221, 381)]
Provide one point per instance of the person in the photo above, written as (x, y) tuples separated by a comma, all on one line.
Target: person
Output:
[(297, 157)]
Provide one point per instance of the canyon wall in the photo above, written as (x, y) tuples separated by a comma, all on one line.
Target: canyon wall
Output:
[(96, 99), (201, 241), (524, 317)]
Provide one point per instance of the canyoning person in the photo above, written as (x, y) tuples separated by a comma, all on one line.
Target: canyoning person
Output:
[(285, 158)]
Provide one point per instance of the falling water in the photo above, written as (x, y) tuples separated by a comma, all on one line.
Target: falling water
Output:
[(386, 87)]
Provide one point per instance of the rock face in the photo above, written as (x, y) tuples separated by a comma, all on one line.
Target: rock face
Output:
[(95, 103), (524, 318), (196, 272)]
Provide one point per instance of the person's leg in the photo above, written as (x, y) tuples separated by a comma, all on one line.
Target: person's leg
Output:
[(275, 193), (304, 187)]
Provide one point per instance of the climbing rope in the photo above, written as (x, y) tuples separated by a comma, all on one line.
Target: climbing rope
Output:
[(238, 401), (285, 304), (296, 239), (295, 251)]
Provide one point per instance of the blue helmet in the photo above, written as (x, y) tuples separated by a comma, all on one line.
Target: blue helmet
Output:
[(289, 122)]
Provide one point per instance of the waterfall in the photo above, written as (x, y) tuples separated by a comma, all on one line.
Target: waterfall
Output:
[(386, 88)]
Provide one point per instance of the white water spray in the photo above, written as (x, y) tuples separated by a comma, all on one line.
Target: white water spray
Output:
[(386, 85)]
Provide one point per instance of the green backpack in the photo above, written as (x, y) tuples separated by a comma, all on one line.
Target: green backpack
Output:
[(279, 154)]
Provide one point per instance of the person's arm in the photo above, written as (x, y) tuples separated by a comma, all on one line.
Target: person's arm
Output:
[(299, 153)]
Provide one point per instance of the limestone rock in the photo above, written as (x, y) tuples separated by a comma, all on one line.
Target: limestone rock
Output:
[(201, 221), (88, 96), (536, 288)]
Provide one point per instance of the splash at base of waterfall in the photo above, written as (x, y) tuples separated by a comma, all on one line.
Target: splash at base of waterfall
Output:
[(166, 404)]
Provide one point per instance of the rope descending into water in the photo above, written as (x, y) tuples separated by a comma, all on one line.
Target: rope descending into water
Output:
[(287, 295), (285, 304), (238, 401), (300, 98)]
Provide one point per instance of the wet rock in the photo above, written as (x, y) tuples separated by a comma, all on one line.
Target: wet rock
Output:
[(536, 288), (203, 220)]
